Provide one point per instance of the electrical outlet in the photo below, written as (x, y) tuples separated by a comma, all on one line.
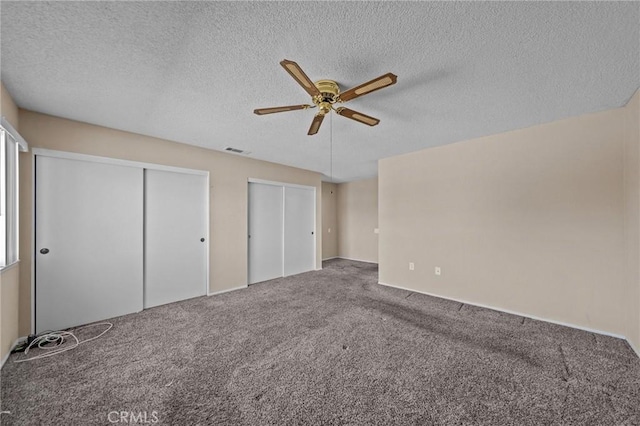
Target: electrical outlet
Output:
[(411, 266), (329, 230), (376, 231), (438, 271)]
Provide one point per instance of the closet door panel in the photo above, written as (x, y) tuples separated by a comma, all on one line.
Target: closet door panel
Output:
[(88, 242), (265, 232), (175, 236), (299, 230)]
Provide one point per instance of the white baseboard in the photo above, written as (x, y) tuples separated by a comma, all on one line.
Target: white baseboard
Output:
[(355, 260), (227, 290), (6, 357), (329, 258), (520, 314), (635, 349)]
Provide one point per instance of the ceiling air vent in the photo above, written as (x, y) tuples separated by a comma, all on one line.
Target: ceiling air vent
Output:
[(237, 151)]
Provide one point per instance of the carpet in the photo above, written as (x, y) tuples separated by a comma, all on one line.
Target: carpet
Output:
[(328, 347)]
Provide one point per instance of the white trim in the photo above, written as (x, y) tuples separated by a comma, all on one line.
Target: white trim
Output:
[(284, 226), (24, 146), (275, 183), (115, 161), (9, 266), (208, 234), (329, 258), (636, 350), (10, 147), (6, 356), (5, 225), (315, 228), (591, 330), (247, 230), (355, 260), (33, 245), (227, 290)]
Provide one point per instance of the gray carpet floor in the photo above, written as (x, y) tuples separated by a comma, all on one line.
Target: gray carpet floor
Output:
[(329, 347)]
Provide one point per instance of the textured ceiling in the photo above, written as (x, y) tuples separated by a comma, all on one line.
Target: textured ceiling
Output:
[(193, 72)]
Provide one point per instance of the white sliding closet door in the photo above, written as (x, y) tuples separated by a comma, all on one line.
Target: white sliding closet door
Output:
[(282, 222), (175, 236), (299, 230), (265, 232), (88, 242)]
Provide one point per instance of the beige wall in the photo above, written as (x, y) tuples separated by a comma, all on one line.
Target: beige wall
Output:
[(357, 220), (9, 278), (329, 220), (530, 221), (8, 108), (228, 180), (9, 308), (540, 221), (632, 217)]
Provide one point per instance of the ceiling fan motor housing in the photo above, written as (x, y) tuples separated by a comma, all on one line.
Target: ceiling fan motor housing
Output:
[(329, 95), (329, 91)]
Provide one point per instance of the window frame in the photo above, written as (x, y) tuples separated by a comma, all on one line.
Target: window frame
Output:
[(11, 144)]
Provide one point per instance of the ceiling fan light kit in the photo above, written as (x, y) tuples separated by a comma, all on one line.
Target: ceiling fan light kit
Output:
[(325, 93)]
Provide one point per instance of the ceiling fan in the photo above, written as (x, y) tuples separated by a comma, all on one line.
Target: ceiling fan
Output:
[(325, 93)]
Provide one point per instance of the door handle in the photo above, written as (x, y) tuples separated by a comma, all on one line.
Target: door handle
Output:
[(44, 251)]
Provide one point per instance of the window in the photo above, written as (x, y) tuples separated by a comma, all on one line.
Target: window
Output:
[(10, 144)]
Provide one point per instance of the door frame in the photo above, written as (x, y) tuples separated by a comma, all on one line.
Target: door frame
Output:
[(315, 217), (114, 161)]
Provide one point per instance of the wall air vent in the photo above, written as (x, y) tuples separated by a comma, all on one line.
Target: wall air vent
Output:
[(237, 151)]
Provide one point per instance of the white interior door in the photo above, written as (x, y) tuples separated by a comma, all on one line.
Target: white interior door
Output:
[(299, 230), (88, 259), (265, 232), (176, 236)]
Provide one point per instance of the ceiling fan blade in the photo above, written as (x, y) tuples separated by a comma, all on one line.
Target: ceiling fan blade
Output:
[(370, 86), (299, 75), (263, 111), (357, 116), (315, 124)]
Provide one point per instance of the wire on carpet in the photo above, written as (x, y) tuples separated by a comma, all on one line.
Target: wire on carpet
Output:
[(52, 342)]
